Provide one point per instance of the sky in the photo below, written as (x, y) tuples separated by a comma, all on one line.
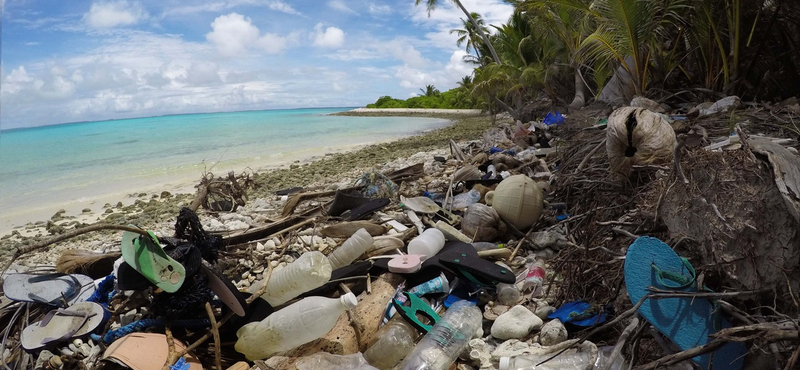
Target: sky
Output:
[(71, 61)]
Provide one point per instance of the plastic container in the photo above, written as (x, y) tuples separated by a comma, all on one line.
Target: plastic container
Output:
[(467, 199), (507, 294), (446, 340), (351, 249), (565, 361), (430, 242), (392, 342), (296, 324), (308, 272), (534, 278)]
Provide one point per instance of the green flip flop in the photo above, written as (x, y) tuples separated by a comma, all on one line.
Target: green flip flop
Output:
[(145, 254)]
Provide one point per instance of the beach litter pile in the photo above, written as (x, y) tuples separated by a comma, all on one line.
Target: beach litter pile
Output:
[(634, 239)]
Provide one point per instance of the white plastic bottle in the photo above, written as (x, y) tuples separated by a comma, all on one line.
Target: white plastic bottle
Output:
[(296, 324), (430, 242), (308, 272), (351, 249)]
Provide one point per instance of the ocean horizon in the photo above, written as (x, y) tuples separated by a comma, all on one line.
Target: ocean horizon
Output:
[(80, 165)]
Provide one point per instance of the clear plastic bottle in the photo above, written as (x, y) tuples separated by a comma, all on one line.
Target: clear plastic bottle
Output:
[(467, 199), (308, 272), (565, 361), (507, 294), (392, 342), (430, 242), (296, 324), (351, 249), (446, 340)]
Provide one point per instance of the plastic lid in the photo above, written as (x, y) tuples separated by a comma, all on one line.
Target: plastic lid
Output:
[(349, 300), (504, 363)]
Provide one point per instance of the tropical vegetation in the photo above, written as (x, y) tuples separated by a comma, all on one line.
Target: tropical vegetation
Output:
[(570, 52)]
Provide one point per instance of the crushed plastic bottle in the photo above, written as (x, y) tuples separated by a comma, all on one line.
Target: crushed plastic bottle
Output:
[(327, 361), (351, 249), (296, 324), (446, 340), (467, 199), (534, 278), (392, 342)]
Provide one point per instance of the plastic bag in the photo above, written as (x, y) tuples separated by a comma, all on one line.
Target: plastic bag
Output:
[(637, 136)]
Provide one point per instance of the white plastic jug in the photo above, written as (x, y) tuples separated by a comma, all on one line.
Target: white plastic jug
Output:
[(351, 249), (430, 242), (306, 273), (296, 324)]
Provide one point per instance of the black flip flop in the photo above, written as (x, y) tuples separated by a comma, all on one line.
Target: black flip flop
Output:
[(288, 191), (344, 201), (366, 209), (225, 290)]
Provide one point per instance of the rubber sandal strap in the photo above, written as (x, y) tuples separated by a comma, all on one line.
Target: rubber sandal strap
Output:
[(683, 281)]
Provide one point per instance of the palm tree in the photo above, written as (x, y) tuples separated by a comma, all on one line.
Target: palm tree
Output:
[(430, 90), (431, 5), (469, 36)]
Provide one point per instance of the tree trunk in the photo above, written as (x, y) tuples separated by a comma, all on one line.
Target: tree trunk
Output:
[(580, 91), (480, 32), (506, 107)]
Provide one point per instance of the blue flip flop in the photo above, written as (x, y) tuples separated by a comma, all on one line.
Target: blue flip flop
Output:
[(686, 321)]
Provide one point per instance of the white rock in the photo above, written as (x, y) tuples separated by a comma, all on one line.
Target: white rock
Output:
[(212, 224), (553, 333), (237, 225), (269, 244), (543, 311), (516, 323), (480, 353), (260, 247)]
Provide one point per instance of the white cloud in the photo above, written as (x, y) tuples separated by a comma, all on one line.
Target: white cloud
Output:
[(448, 16), (341, 6), (113, 14), (232, 34), (379, 9), (203, 73), (282, 7), (330, 37)]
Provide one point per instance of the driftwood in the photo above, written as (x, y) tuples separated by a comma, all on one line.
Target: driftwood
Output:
[(267, 230), (232, 189)]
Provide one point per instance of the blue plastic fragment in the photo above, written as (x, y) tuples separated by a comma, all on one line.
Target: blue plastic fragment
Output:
[(579, 313), (493, 150), (553, 118), (181, 364)]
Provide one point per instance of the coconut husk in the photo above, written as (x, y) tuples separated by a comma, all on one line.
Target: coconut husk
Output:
[(482, 223), (93, 264)]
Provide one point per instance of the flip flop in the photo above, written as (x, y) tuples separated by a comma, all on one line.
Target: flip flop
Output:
[(366, 209), (146, 351), (183, 252), (687, 322), (225, 290), (50, 289), (344, 201), (63, 324), (145, 255)]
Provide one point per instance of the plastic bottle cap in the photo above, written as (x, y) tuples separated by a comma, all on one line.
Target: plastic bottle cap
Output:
[(504, 363), (349, 300)]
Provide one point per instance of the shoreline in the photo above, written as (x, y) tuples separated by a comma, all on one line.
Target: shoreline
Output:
[(162, 203)]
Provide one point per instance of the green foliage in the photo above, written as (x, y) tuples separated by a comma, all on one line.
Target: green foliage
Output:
[(458, 98)]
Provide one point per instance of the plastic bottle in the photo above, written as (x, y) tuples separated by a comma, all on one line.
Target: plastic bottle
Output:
[(535, 276), (565, 361), (430, 242), (507, 294), (392, 342), (446, 340), (296, 324), (467, 199), (308, 272), (351, 249)]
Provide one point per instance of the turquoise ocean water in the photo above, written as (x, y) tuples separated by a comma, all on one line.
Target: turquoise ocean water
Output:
[(79, 165)]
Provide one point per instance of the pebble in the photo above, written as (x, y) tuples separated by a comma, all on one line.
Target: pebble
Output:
[(515, 324), (553, 333), (260, 247)]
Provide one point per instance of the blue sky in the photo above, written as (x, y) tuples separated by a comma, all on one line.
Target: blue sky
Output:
[(68, 61)]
